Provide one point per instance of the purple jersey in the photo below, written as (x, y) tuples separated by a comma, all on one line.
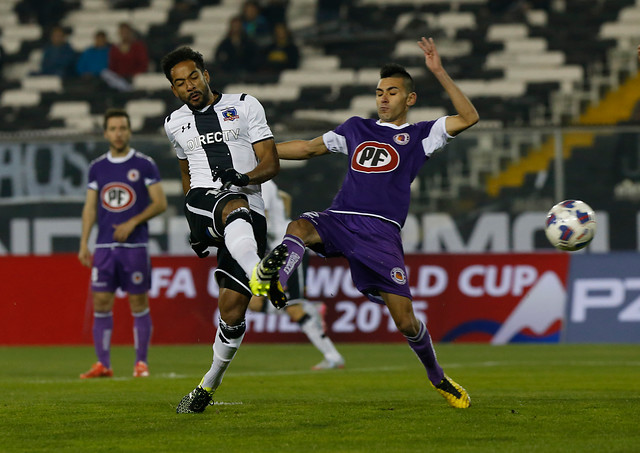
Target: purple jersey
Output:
[(121, 184), (383, 161)]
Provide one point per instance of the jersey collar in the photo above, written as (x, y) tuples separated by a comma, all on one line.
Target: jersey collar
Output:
[(208, 110), (119, 160), (391, 125)]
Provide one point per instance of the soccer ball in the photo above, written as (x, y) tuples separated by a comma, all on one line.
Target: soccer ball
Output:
[(570, 225)]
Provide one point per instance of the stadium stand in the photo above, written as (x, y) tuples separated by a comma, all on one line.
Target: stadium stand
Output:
[(541, 67)]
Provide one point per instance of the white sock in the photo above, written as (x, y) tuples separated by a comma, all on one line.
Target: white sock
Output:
[(224, 350), (239, 239), (313, 329)]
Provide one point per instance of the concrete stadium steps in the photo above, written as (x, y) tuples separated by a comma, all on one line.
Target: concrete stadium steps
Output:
[(535, 161), (616, 106)]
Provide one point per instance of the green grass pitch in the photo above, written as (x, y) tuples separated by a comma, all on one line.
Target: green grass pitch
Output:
[(525, 398)]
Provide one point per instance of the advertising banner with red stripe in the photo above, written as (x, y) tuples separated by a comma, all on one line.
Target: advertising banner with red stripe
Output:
[(496, 298)]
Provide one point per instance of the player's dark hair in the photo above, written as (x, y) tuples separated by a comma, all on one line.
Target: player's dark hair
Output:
[(396, 70), (111, 113), (179, 55)]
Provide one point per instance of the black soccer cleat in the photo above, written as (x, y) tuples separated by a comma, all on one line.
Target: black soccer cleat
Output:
[(195, 402), (277, 296)]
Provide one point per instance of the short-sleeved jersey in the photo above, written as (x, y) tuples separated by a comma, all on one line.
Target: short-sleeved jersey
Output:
[(121, 183), (383, 161), (220, 136)]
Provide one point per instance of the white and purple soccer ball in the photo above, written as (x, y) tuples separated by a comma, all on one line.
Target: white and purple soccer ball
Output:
[(570, 225)]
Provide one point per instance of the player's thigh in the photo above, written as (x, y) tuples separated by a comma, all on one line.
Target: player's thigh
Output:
[(205, 210)]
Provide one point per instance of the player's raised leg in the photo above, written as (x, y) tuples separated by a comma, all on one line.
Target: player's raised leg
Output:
[(419, 340)]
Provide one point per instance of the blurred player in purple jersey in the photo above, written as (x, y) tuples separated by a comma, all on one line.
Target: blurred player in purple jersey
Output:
[(124, 192), (364, 221)]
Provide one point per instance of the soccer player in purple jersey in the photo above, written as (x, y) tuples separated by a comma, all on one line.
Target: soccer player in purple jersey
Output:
[(364, 221), (124, 192)]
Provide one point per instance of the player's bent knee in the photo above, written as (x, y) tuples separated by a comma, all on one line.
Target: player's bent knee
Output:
[(241, 213)]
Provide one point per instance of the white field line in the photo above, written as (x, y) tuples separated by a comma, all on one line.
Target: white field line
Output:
[(231, 374)]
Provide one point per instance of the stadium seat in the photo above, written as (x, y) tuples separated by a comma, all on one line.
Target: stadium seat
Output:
[(141, 108), (150, 81), (42, 83), (19, 98)]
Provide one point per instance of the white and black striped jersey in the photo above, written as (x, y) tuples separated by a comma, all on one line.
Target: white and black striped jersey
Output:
[(218, 137)]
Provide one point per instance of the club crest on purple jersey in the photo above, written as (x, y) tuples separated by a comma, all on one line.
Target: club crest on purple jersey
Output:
[(401, 139), (133, 175)]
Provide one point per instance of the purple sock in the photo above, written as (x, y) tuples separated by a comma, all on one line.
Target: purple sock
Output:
[(295, 247), (142, 328), (102, 328), (422, 346)]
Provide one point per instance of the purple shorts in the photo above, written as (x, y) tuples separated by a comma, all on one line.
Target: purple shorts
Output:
[(128, 268), (372, 246)]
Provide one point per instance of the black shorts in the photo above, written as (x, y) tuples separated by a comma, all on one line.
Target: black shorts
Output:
[(203, 210)]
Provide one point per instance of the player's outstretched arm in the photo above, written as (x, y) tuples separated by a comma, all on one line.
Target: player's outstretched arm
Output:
[(268, 163), (301, 149), (467, 114)]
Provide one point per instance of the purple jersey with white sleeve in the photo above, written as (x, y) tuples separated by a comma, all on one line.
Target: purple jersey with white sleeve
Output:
[(383, 161), (121, 183)]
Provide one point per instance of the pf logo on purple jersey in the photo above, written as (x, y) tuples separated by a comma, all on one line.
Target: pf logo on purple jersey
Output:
[(375, 157), (117, 196)]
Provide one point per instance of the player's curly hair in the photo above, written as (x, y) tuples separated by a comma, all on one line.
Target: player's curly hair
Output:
[(396, 70), (179, 55)]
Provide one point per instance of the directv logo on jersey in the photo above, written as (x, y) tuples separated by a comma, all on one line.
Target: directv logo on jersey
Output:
[(213, 137)]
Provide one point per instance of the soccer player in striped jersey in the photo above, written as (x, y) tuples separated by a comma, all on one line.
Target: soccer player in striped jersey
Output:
[(225, 150), (364, 221), (124, 192)]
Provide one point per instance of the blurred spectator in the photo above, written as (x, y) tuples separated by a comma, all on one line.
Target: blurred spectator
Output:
[(254, 23), (129, 56), (46, 13), (328, 11), (95, 58), (236, 53), (58, 58), (2, 58), (282, 53), (275, 11)]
